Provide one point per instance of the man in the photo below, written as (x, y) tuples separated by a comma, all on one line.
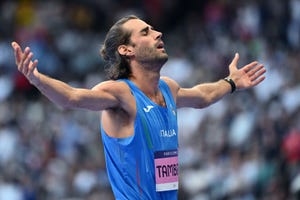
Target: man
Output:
[(139, 117)]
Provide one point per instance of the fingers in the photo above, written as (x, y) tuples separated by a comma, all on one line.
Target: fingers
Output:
[(17, 52), (234, 62), (257, 81), (247, 76), (24, 59), (257, 72), (250, 66), (254, 70), (27, 59)]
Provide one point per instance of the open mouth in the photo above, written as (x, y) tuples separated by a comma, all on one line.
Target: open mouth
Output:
[(160, 45)]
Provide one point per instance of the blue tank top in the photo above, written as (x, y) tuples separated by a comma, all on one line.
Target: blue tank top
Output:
[(130, 161)]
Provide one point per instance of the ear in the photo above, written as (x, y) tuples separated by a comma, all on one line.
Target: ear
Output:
[(125, 50)]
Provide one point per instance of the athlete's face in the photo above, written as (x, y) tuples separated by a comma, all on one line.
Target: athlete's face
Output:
[(146, 43)]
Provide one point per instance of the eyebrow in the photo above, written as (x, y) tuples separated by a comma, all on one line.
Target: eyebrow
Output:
[(146, 29)]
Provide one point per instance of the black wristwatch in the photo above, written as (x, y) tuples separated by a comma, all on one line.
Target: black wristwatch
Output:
[(231, 82)]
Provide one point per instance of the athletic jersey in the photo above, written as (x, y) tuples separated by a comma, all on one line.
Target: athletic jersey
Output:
[(145, 165)]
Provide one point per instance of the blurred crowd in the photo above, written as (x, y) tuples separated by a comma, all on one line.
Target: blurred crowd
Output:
[(245, 147)]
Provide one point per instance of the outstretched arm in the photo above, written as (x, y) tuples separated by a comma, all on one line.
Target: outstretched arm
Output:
[(203, 95), (60, 92)]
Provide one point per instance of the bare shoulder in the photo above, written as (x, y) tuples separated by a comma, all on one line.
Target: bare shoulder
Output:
[(173, 85), (111, 85), (117, 90), (118, 121)]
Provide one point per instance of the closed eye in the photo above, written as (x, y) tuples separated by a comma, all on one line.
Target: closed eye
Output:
[(145, 31)]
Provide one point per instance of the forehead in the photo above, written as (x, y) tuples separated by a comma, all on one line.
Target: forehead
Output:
[(135, 25)]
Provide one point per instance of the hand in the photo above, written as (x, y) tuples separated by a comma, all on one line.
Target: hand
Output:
[(248, 76), (25, 64)]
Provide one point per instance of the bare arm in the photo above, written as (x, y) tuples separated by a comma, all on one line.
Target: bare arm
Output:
[(203, 95), (99, 98)]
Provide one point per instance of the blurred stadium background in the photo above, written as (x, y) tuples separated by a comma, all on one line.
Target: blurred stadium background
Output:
[(245, 147)]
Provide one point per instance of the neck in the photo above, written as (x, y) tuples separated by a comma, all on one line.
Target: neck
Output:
[(147, 80)]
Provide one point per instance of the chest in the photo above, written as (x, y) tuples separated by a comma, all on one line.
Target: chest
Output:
[(159, 125)]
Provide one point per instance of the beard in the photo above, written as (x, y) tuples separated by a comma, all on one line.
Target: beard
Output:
[(151, 56)]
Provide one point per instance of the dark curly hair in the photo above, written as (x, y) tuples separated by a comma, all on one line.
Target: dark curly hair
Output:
[(117, 65)]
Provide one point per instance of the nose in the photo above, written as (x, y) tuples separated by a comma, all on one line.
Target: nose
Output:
[(158, 35)]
